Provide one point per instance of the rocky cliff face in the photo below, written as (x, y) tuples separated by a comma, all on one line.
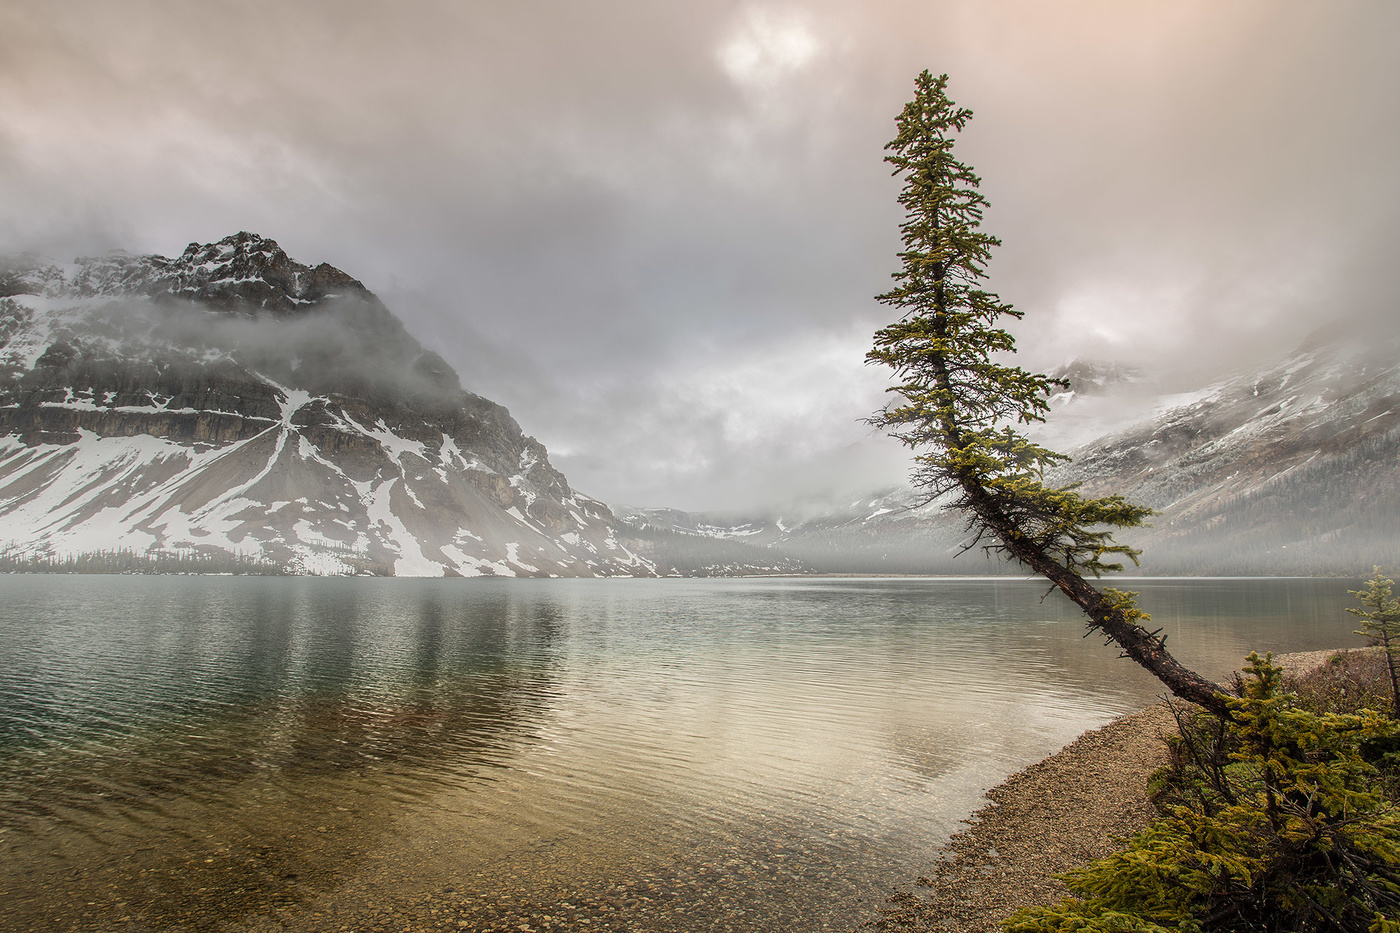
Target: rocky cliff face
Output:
[(233, 401)]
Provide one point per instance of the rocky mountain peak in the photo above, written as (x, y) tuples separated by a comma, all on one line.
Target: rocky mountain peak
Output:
[(1090, 377), (249, 270), (237, 405), (244, 272)]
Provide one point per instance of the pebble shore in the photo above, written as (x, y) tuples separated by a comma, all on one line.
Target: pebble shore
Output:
[(1059, 813)]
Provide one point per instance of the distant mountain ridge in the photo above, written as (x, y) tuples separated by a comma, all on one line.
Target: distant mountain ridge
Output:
[(234, 402), (889, 531), (232, 408), (1291, 469), (241, 272)]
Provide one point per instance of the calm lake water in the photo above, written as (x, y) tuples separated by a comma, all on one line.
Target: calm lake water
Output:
[(773, 754)]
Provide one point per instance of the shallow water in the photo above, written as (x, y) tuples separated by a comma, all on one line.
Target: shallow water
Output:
[(252, 753)]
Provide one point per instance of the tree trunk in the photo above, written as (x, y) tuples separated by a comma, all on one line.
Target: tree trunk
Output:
[(1390, 651), (1137, 643)]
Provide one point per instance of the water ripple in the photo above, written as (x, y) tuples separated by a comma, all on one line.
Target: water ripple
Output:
[(280, 730)]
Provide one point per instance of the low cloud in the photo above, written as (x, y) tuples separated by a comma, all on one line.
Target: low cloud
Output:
[(600, 214), (760, 428)]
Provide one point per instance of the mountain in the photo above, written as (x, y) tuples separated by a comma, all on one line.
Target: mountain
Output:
[(1291, 469), (890, 531), (234, 409)]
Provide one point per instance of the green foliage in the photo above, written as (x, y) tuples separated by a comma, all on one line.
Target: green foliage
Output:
[(1271, 821), (1380, 621), (958, 405), (1125, 603), (953, 395)]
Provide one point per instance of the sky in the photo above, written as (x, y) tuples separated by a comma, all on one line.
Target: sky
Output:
[(653, 230)]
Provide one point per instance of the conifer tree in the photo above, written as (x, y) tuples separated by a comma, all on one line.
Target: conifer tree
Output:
[(1380, 621), (959, 407)]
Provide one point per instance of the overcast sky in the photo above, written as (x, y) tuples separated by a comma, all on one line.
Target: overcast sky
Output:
[(653, 229)]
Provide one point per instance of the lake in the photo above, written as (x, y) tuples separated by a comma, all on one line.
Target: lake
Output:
[(242, 753)]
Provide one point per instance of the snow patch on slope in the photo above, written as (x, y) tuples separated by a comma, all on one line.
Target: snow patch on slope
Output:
[(411, 561)]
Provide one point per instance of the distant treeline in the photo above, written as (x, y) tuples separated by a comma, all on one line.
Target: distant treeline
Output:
[(1339, 514), (936, 552), (126, 560), (690, 555), (851, 549)]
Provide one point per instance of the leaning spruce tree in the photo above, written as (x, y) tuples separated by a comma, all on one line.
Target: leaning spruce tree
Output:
[(957, 406)]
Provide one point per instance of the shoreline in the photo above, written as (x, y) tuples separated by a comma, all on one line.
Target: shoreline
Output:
[(1061, 812)]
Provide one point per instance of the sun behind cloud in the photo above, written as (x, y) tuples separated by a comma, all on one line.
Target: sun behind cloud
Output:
[(766, 45)]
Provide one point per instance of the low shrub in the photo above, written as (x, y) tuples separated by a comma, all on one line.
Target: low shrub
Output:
[(1348, 682), (1275, 821)]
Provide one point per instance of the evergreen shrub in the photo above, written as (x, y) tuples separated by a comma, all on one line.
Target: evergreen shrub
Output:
[(1275, 820)]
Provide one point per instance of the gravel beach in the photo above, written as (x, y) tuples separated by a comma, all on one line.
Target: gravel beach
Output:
[(1061, 812), (1058, 813)]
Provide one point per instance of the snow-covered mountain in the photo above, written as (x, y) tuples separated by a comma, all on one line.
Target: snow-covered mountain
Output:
[(234, 409), (1292, 469), (232, 406), (889, 531)]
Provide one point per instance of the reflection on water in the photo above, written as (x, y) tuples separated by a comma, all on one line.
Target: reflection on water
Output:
[(209, 747), (675, 754)]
